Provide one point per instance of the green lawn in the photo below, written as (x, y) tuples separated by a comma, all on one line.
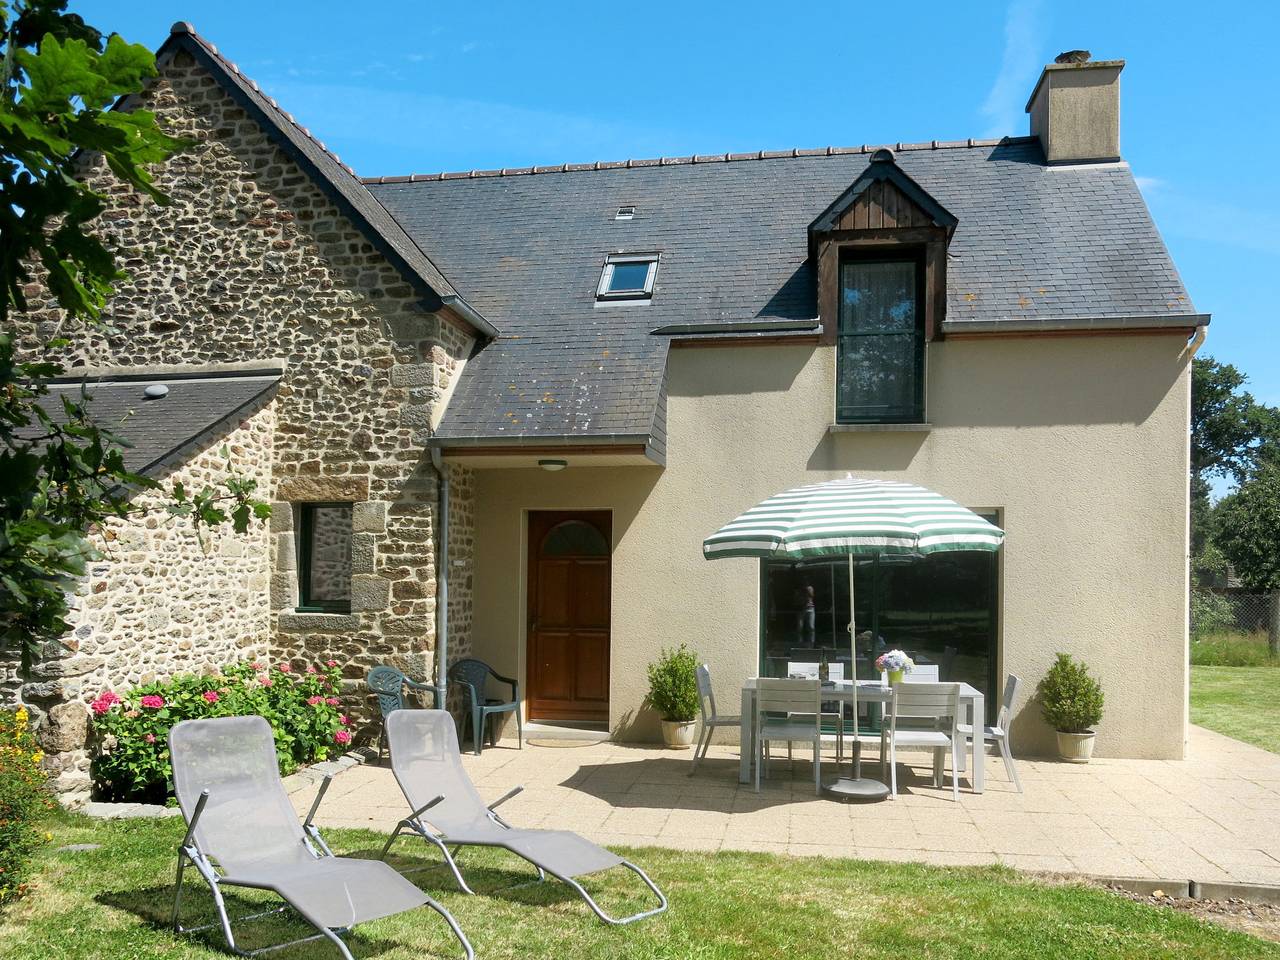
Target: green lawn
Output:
[(1241, 702), (113, 903)]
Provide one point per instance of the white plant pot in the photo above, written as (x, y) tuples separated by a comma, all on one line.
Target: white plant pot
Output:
[(678, 734), (1076, 747)]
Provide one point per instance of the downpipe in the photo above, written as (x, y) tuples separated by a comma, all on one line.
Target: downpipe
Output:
[(442, 583)]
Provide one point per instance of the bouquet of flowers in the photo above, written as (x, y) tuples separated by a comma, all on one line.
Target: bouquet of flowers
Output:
[(894, 660)]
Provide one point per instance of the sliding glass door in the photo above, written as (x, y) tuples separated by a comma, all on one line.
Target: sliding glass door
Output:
[(943, 610)]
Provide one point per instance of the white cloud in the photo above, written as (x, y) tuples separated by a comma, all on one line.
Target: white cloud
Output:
[(1005, 103), (1149, 184)]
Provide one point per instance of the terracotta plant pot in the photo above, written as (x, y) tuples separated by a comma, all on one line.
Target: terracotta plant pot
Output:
[(678, 734), (1076, 747)]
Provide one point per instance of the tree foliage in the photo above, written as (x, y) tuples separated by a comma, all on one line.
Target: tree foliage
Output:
[(1233, 437), (1247, 530), (61, 474)]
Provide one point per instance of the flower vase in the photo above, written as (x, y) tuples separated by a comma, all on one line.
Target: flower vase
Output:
[(895, 676)]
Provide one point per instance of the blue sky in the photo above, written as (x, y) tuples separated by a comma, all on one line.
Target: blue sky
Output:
[(420, 87)]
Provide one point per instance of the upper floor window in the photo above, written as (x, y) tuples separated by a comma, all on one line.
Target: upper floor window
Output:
[(880, 342), (628, 277)]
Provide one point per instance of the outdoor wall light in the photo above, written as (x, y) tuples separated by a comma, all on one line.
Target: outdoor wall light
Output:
[(553, 465)]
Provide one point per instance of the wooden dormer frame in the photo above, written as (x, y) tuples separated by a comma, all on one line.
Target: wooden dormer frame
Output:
[(882, 211)]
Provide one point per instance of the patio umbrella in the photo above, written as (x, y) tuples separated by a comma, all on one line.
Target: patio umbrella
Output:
[(854, 518)]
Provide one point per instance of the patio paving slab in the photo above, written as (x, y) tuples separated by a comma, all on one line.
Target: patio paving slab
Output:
[(1212, 817)]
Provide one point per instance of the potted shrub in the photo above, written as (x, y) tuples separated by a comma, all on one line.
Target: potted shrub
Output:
[(673, 692), (1071, 703)]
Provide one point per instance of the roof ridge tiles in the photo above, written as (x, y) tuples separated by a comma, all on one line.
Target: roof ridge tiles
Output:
[(698, 158)]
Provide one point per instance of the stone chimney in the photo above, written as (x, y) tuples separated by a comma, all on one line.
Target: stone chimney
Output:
[(1075, 109)]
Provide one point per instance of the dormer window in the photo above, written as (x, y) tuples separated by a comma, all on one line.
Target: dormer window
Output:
[(881, 253), (880, 341), (628, 277)]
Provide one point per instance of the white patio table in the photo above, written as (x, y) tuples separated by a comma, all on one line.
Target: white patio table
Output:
[(869, 691)]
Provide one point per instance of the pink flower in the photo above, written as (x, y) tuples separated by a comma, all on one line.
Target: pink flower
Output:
[(150, 738), (314, 701), (331, 663), (153, 701), (105, 701), (343, 719), (342, 736), (285, 668), (332, 701), (310, 669), (266, 681), (210, 696), (257, 666)]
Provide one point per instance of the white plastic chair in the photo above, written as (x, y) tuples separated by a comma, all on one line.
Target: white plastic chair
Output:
[(778, 696), (999, 733), (807, 670), (935, 702), (710, 718)]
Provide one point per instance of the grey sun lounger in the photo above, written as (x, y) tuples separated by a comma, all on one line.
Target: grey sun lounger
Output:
[(427, 764), (242, 832)]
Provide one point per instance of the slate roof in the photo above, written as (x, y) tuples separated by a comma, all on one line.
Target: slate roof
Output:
[(197, 408), (334, 177), (1063, 245)]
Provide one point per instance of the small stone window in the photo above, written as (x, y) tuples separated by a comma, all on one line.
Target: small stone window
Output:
[(324, 558)]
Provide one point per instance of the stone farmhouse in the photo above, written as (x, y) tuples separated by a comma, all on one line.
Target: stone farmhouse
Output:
[(499, 410)]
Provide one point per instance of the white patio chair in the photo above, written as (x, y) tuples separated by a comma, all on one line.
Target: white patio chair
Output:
[(778, 696), (999, 733), (935, 702), (833, 710), (710, 718)]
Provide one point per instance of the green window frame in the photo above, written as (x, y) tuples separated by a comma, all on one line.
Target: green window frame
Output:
[(880, 347), (308, 602)]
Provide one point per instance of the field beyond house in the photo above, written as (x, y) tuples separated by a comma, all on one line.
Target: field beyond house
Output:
[(114, 901)]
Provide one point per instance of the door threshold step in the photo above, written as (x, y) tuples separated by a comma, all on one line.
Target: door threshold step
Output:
[(565, 730)]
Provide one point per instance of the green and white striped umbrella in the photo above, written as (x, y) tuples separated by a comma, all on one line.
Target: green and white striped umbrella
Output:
[(853, 517)]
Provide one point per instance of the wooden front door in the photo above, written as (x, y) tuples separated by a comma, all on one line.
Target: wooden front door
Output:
[(569, 615)]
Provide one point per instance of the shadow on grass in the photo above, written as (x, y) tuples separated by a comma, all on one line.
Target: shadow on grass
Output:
[(490, 873), (153, 905)]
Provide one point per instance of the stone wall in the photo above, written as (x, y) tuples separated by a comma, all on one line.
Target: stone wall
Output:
[(252, 261), (160, 601)]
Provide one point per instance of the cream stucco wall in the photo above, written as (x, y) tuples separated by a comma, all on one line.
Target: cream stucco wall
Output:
[(1081, 443)]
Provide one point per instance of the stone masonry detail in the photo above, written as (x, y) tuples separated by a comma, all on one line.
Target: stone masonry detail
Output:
[(159, 602), (253, 261)]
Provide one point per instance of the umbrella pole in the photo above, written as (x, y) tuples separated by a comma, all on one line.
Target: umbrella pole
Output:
[(853, 669), (855, 788)]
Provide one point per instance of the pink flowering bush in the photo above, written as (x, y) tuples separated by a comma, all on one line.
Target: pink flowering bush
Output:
[(133, 726)]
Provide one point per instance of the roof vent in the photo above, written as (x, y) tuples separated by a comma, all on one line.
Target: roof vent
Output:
[(627, 212), (155, 391), (1073, 56)]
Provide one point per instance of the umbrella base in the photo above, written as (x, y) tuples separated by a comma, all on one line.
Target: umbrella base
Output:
[(847, 788)]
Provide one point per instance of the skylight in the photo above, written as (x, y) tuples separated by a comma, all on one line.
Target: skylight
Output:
[(628, 276), (626, 212)]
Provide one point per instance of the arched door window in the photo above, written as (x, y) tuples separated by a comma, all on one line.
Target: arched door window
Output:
[(574, 538)]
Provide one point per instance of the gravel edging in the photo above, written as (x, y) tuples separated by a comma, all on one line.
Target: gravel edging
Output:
[(301, 780)]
